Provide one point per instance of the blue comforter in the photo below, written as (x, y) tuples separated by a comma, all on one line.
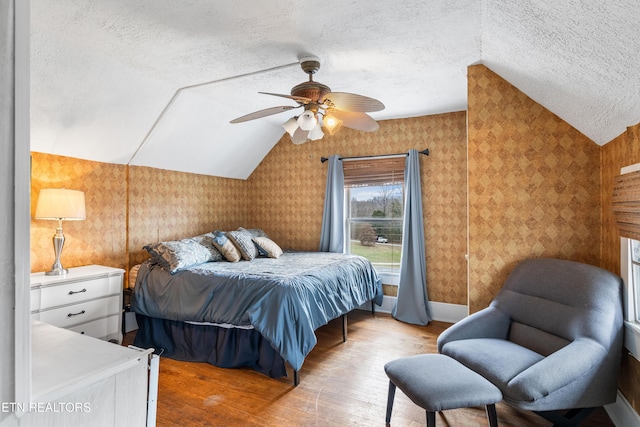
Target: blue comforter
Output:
[(285, 299)]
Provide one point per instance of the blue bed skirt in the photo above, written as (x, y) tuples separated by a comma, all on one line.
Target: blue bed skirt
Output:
[(221, 347)]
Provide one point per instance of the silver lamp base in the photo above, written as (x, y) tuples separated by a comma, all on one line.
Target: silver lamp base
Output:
[(58, 243), (57, 271)]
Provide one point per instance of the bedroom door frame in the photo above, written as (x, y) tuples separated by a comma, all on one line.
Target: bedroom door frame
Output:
[(22, 199)]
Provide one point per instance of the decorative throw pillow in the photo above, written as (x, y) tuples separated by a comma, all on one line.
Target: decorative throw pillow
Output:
[(206, 240), (226, 248), (176, 255), (255, 232), (267, 247), (242, 240)]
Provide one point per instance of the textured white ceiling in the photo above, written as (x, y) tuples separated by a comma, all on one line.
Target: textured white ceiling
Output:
[(156, 83)]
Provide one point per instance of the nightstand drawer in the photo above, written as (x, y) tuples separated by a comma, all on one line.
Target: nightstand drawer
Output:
[(73, 292), (82, 312), (101, 328)]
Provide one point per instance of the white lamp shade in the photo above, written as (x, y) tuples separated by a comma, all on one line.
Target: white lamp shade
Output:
[(331, 123), (316, 133), (299, 136), (291, 125), (307, 120), (60, 203)]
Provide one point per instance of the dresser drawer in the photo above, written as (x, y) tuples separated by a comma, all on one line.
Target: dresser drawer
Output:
[(74, 292), (81, 313), (104, 328)]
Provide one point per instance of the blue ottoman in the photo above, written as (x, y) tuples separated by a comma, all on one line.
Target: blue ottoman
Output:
[(436, 382)]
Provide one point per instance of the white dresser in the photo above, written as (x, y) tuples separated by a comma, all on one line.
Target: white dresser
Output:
[(87, 300)]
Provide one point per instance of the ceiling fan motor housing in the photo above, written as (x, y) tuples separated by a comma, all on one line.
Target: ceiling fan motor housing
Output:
[(312, 90)]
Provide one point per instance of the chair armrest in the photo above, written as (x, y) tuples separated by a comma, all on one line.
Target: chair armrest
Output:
[(487, 323), (558, 369)]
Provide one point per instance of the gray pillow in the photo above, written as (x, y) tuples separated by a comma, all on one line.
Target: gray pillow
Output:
[(177, 255), (241, 238), (206, 240)]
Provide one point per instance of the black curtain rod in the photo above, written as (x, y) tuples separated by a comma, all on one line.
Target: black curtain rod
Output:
[(425, 152)]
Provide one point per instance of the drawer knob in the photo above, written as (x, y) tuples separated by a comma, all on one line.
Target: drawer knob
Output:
[(75, 314), (77, 292)]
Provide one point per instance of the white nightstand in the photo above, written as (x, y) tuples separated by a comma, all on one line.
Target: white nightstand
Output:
[(87, 300)]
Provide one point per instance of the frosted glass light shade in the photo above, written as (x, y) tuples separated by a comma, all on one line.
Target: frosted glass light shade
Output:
[(307, 120), (299, 136), (60, 203), (332, 123), (316, 133), (291, 125)]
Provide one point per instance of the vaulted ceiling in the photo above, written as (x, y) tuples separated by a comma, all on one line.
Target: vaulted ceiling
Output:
[(156, 83)]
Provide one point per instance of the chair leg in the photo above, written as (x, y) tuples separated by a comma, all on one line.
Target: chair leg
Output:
[(431, 419), (492, 416), (392, 394)]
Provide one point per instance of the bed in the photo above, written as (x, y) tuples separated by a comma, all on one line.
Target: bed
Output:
[(261, 314)]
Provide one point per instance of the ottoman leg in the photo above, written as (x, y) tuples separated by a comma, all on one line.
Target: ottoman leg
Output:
[(491, 415), (431, 419), (392, 394)]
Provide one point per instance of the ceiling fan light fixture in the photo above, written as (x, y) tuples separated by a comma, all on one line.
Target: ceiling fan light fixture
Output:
[(316, 133), (307, 120), (291, 125), (331, 123), (300, 136)]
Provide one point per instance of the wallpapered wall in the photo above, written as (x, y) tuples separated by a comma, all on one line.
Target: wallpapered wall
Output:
[(101, 238), (534, 185), (622, 151), (168, 205), (287, 190), (154, 204)]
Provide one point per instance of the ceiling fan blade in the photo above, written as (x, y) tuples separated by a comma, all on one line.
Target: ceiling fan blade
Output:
[(351, 102), (263, 113), (356, 120), (300, 99)]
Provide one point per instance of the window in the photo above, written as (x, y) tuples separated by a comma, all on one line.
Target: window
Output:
[(630, 272), (374, 201), (625, 202), (634, 259)]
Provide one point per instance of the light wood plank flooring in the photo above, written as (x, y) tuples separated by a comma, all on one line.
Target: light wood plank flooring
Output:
[(342, 384)]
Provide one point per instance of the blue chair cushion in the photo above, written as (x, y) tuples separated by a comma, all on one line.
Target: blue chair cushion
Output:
[(497, 360)]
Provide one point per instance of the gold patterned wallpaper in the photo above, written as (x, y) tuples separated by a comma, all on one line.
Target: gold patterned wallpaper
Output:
[(534, 185), (622, 151), (167, 205), (128, 207), (101, 238), (287, 190)]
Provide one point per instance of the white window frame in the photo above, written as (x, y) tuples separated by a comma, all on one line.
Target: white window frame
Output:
[(631, 289), (387, 277)]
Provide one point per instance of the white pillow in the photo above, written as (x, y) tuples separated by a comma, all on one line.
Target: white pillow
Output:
[(267, 247)]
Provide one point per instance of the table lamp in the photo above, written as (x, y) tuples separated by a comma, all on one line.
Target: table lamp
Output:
[(60, 204)]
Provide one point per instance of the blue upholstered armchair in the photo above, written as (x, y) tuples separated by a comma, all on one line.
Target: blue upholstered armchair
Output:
[(551, 340)]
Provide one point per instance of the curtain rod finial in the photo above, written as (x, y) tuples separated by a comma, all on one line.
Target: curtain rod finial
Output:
[(323, 159), (425, 152)]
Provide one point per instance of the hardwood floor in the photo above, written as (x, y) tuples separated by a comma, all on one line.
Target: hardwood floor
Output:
[(342, 384)]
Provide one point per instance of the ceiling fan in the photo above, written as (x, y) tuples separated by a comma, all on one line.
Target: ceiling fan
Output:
[(322, 108)]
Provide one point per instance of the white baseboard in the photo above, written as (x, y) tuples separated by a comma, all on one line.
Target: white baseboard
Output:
[(440, 311), (622, 413)]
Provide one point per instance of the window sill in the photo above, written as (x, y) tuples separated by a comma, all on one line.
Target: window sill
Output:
[(389, 278), (632, 338)]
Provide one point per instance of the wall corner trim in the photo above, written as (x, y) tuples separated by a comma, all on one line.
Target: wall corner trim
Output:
[(622, 413)]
